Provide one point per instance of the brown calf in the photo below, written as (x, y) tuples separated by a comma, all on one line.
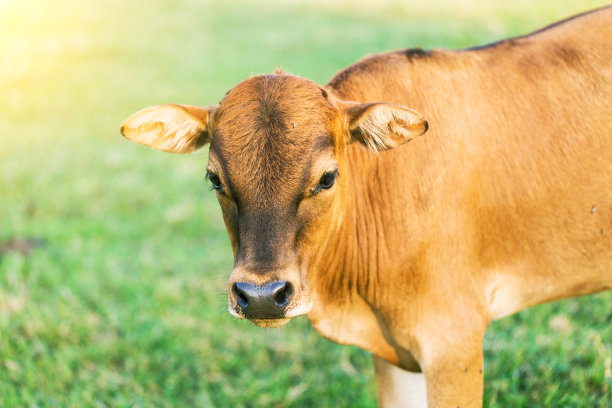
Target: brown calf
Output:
[(411, 251)]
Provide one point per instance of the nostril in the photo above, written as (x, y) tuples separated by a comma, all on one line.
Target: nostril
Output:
[(243, 302), (241, 297), (281, 299)]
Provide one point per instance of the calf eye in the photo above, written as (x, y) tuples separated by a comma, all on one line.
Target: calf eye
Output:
[(214, 180), (327, 179)]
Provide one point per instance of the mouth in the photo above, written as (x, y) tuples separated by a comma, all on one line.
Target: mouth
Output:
[(270, 323)]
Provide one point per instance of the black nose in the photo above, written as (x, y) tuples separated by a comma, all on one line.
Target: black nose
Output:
[(267, 301)]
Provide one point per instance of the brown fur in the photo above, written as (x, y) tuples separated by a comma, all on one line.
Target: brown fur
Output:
[(505, 203)]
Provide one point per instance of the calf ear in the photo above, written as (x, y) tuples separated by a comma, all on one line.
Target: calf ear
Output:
[(382, 126), (172, 128)]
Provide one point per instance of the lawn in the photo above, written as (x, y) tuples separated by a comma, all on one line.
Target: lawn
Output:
[(114, 259)]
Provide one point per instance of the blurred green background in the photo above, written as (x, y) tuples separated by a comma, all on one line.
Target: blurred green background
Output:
[(114, 259)]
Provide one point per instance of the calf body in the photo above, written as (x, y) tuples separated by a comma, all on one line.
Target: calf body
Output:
[(411, 250)]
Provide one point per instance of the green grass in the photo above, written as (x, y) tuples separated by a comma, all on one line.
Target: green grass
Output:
[(117, 297)]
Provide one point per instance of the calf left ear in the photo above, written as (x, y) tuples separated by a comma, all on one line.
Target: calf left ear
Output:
[(381, 126), (171, 128)]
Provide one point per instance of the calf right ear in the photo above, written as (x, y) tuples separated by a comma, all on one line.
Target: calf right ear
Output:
[(171, 128), (381, 126)]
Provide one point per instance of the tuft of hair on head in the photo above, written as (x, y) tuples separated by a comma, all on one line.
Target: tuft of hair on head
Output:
[(279, 71)]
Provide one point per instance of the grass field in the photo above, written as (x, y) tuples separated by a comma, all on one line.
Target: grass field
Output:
[(114, 259)]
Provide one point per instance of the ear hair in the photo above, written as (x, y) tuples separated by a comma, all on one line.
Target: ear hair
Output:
[(381, 126), (171, 128)]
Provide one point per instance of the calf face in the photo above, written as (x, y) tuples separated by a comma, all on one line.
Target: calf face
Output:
[(277, 165)]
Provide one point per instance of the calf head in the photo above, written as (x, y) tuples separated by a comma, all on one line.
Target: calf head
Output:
[(276, 162)]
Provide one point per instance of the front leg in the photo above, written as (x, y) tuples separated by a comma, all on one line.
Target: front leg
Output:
[(454, 377), (397, 387)]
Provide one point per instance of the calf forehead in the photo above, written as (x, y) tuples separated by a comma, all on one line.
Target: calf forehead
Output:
[(268, 129)]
